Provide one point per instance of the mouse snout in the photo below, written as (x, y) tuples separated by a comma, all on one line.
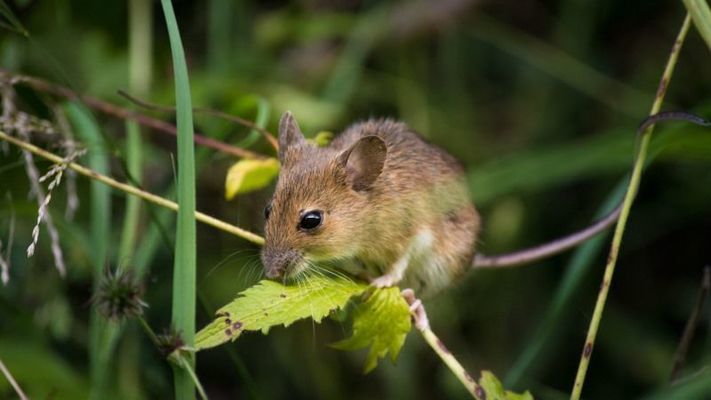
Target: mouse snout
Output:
[(278, 261)]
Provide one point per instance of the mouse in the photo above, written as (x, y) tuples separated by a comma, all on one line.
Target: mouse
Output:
[(383, 204), (380, 203)]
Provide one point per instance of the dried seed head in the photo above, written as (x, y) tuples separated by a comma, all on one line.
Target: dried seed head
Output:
[(171, 344), (119, 295)]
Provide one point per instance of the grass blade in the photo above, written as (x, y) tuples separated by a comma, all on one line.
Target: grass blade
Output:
[(88, 131), (701, 14), (13, 23), (183, 318), (140, 62)]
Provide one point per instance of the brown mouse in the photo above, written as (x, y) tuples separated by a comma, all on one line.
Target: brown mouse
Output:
[(383, 204), (379, 203)]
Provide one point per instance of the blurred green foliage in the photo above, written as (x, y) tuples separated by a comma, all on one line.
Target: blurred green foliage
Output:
[(538, 99)]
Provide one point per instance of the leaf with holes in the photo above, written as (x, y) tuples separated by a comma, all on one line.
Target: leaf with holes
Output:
[(249, 175), (381, 322), (270, 303)]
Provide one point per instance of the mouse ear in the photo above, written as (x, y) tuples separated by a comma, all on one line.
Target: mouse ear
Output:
[(363, 162), (289, 134)]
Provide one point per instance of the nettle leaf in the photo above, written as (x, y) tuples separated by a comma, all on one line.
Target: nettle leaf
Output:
[(249, 175), (495, 389), (270, 303), (381, 322)]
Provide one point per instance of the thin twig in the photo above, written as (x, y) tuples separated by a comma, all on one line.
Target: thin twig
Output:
[(422, 323), (453, 364), (219, 114), (212, 221), (691, 323), (622, 221), (124, 113), (12, 381)]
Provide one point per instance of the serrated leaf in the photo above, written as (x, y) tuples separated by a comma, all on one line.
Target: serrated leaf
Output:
[(270, 303), (495, 389), (249, 175), (381, 322)]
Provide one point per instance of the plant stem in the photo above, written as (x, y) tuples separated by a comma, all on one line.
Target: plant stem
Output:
[(140, 62), (149, 331), (13, 382), (157, 200), (454, 365), (626, 206), (185, 364), (691, 323), (120, 112)]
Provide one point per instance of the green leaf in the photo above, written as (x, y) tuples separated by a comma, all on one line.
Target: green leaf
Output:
[(185, 255), (322, 139), (13, 23), (381, 322), (495, 390), (701, 15), (270, 303), (250, 175)]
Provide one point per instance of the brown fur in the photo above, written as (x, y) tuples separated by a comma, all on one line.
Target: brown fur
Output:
[(373, 208)]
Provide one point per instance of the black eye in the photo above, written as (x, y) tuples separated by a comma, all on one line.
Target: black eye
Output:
[(311, 220), (267, 210)]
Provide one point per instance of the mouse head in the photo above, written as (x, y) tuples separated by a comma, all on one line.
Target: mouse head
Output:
[(322, 202)]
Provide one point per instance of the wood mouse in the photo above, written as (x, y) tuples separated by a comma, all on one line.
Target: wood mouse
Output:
[(379, 203), (383, 204)]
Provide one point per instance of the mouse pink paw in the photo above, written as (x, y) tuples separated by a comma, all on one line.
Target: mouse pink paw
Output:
[(384, 281), (417, 309)]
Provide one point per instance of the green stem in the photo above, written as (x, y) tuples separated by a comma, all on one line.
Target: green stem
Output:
[(187, 365), (622, 221), (87, 130), (149, 331), (448, 358), (140, 61)]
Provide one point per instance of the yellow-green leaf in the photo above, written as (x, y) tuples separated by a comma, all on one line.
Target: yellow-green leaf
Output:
[(381, 322), (322, 139), (249, 175), (495, 389), (270, 303)]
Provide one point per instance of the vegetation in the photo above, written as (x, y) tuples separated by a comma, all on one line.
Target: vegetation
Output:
[(117, 114)]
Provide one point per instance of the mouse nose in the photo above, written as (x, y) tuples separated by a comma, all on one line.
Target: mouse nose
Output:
[(277, 261)]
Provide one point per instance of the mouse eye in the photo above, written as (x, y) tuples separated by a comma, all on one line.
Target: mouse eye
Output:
[(267, 210), (311, 220)]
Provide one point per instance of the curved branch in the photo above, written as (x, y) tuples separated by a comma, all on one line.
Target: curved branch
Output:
[(124, 113), (204, 218)]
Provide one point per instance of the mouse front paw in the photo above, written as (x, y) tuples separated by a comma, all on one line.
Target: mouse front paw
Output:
[(384, 281)]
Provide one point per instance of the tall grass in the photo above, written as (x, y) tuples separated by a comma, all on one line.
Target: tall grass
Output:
[(88, 131), (183, 318)]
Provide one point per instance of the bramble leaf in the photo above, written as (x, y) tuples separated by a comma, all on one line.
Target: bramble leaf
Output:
[(270, 303), (495, 389), (249, 175), (381, 322)]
